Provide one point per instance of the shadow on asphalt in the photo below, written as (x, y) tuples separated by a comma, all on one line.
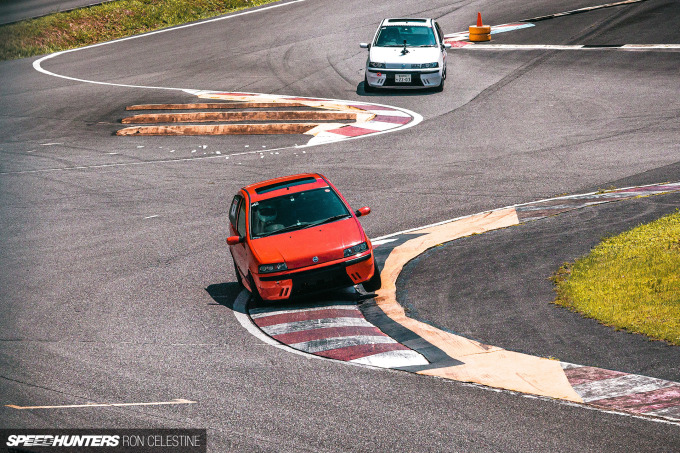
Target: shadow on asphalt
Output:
[(361, 91), (224, 293)]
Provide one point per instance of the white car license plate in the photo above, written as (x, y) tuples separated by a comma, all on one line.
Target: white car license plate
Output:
[(402, 78)]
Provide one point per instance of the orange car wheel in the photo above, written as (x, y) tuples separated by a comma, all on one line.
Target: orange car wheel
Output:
[(254, 293), (375, 282), (239, 279)]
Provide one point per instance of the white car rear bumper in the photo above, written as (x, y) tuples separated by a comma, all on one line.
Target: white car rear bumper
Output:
[(418, 79)]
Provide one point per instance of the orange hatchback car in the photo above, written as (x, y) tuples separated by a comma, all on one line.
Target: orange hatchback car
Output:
[(298, 235)]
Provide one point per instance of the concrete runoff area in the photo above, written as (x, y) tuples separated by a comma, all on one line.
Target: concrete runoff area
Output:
[(214, 105), (221, 129)]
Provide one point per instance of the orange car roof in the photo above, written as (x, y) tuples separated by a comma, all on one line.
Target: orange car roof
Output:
[(279, 186)]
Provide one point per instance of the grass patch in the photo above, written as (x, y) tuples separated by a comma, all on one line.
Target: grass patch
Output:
[(105, 22), (630, 282)]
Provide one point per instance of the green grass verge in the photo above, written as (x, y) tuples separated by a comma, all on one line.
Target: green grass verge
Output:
[(100, 23), (630, 282)]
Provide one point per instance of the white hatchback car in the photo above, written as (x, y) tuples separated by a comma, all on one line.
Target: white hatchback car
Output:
[(406, 53)]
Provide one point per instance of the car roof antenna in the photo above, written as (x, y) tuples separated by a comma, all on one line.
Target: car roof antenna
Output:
[(404, 50)]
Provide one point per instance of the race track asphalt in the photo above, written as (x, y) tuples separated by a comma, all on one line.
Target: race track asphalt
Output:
[(112, 248)]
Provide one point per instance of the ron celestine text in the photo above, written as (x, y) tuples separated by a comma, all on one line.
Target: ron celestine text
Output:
[(105, 440), (159, 440)]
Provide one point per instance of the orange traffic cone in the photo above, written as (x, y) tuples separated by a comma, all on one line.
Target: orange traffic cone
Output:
[(480, 32)]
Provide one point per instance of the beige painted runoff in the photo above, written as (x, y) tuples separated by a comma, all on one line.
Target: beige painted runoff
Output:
[(482, 364)]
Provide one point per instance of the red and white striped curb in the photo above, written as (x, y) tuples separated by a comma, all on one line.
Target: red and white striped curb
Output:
[(372, 118), (460, 39), (539, 209), (625, 392), (384, 119), (336, 331)]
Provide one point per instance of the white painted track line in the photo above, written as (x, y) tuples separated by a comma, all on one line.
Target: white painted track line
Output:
[(393, 359), (73, 406), (37, 64), (624, 47)]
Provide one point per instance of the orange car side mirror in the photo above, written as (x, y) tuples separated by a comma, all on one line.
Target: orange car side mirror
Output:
[(363, 211), (233, 240)]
